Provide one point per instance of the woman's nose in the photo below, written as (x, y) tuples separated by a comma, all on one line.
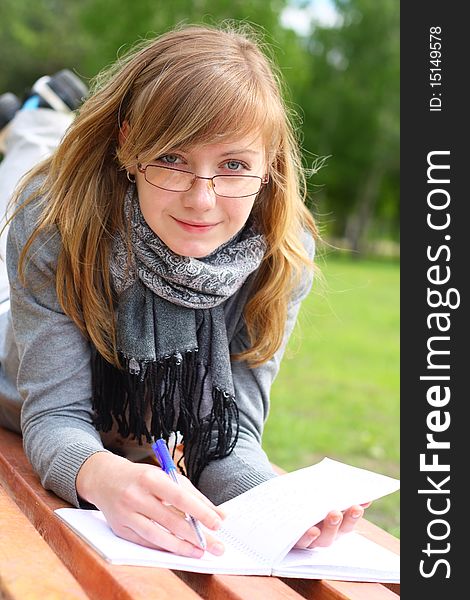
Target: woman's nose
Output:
[(201, 196)]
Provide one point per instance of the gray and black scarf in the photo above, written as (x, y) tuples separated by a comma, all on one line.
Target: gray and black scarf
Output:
[(173, 342)]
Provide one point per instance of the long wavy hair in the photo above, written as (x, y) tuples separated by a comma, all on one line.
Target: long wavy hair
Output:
[(192, 85)]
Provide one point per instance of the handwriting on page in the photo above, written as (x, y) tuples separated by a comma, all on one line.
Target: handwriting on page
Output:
[(271, 517), (266, 524)]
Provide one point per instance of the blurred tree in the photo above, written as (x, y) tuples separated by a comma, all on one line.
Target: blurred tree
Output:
[(47, 35), (351, 108), (342, 81), (112, 24), (37, 38)]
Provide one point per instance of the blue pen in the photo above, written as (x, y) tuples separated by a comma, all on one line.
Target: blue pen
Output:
[(166, 462)]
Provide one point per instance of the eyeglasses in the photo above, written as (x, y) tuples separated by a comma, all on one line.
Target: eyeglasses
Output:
[(228, 186)]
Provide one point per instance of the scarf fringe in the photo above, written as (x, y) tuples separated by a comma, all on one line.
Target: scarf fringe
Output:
[(171, 390)]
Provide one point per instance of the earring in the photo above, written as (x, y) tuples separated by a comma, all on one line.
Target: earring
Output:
[(130, 177)]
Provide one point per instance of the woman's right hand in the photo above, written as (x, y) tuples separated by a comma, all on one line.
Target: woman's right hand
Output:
[(142, 504)]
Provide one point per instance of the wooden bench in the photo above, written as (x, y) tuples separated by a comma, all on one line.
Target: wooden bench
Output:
[(25, 558), (80, 570)]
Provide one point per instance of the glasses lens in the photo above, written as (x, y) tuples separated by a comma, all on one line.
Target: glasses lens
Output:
[(169, 179), (237, 186)]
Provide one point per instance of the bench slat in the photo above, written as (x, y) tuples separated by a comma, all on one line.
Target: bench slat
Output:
[(239, 587), (341, 590), (29, 569)]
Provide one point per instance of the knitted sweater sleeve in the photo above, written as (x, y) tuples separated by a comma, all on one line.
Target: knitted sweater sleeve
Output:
[(248, 464), (53, 376)]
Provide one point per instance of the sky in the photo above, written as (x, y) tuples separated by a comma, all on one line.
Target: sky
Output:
[(320, 12)]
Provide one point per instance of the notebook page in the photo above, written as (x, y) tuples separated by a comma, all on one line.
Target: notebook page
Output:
[(270, 518), (351, 557), (91, 526)]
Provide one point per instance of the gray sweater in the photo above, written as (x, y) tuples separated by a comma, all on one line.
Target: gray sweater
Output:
[(45, 379)]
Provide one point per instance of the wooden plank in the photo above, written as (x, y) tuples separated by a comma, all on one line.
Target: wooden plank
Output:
[(239, 587), (29, 569), (341, 590)]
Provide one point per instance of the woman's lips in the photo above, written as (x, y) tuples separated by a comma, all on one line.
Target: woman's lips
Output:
[(194, 227)]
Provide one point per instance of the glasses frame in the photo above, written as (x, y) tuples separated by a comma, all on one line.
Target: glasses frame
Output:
[(263, 180)]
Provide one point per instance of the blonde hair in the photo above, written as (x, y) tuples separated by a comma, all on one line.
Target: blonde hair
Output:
[(192, 85)]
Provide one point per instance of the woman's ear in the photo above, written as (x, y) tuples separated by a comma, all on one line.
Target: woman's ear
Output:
[(123, 132)]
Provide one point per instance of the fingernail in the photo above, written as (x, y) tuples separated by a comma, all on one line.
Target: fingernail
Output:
[(217, 524), (197, 552), (217, 549), (314, 537), (356, 514), (335, 521)]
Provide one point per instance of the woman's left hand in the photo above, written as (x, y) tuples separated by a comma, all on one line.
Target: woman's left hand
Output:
[(334, 524)]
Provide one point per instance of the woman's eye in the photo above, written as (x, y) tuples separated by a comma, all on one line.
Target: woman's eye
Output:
[(235, 165), (169, 159)]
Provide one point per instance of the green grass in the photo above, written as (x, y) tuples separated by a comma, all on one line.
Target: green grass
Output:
[(337, 393)]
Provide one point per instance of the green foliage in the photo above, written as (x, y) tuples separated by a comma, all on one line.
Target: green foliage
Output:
[(47, 35), (37, 38), (343, 82)]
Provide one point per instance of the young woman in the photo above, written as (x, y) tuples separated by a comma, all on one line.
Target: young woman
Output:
[(157, 263)]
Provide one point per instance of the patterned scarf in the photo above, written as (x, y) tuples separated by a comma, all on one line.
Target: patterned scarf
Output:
[(173, 343)]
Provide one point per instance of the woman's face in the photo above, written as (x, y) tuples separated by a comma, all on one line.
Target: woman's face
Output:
[(196, 222)]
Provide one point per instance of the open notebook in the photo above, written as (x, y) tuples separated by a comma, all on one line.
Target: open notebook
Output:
[(262, 526)]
